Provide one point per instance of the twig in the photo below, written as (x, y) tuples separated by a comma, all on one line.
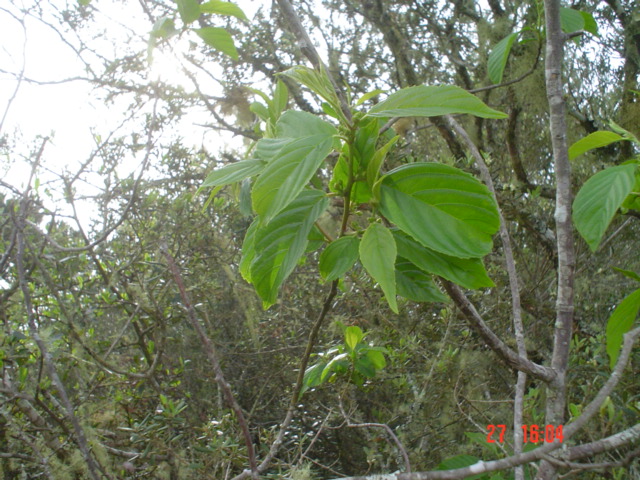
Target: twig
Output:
[(212, 355)]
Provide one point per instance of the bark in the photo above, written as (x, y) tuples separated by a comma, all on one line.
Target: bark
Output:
[(556, 390)]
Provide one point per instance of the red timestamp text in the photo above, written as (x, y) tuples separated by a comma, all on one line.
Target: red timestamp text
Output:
[(531, 433)]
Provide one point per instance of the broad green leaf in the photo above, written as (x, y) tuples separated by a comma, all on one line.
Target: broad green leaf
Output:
[(373, 169), (429, 101), (279, 245), (414, 284), (590, 24), (364, 145), (189, 10), (466, 272), (219, 39), (286, 175), (365, 367), (377, 359), (316, 240), (233, 173), (598, 200), (620, 322), (571, 20), (312, 377), (223, 8), (337, 364), (378, 257), (443, 208), (294, 124), (628, 273), (249, 250), (592, 141), (339, 257), (352, 336), (498, 57)]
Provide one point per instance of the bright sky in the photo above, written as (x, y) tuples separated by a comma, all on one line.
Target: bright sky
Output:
[(72, 113)]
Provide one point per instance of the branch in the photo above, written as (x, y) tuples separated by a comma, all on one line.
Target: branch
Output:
[(295, 395), (556, 392), (212, 355), (478, 324)]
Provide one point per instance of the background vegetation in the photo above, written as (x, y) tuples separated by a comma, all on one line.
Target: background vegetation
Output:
[(109, 370)]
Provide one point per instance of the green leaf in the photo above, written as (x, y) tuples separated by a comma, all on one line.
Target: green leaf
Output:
[(219, 39), (498, 57), (620, 322), (598, 200), (316, 81), (364, 366), (249, 250), (279, 245), (286, 175), (280, 99), (294, 124), (590, 24), (337, 364), (339, 257), (260, 110), (628, 273), (443, 208), (571, 20), (352, 336), (466, 272), (460, 461), (368, 96), (312, 377), (415, 284), (189, 10), (373, 169), (429, 101), (233, 173), (592, 141), (378, 256), (376, 358), (223, 8)]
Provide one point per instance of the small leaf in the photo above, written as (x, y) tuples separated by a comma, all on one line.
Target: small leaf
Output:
[(414, 284), (628, 273), (316, 81), (598, 200), (249, 250), (368, 96), (339, 257), (280, 99), (373, 169), (590, 24), (189, 10), (233, 173), (619, 323), (592, 141), (498, 57), (260, 110), (312, 377), (442, 207), (429, 101), (219, 39), (378, 256), (223, 8), (352, 336)]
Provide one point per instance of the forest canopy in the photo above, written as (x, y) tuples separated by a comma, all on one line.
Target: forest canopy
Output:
[(318, 240)]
